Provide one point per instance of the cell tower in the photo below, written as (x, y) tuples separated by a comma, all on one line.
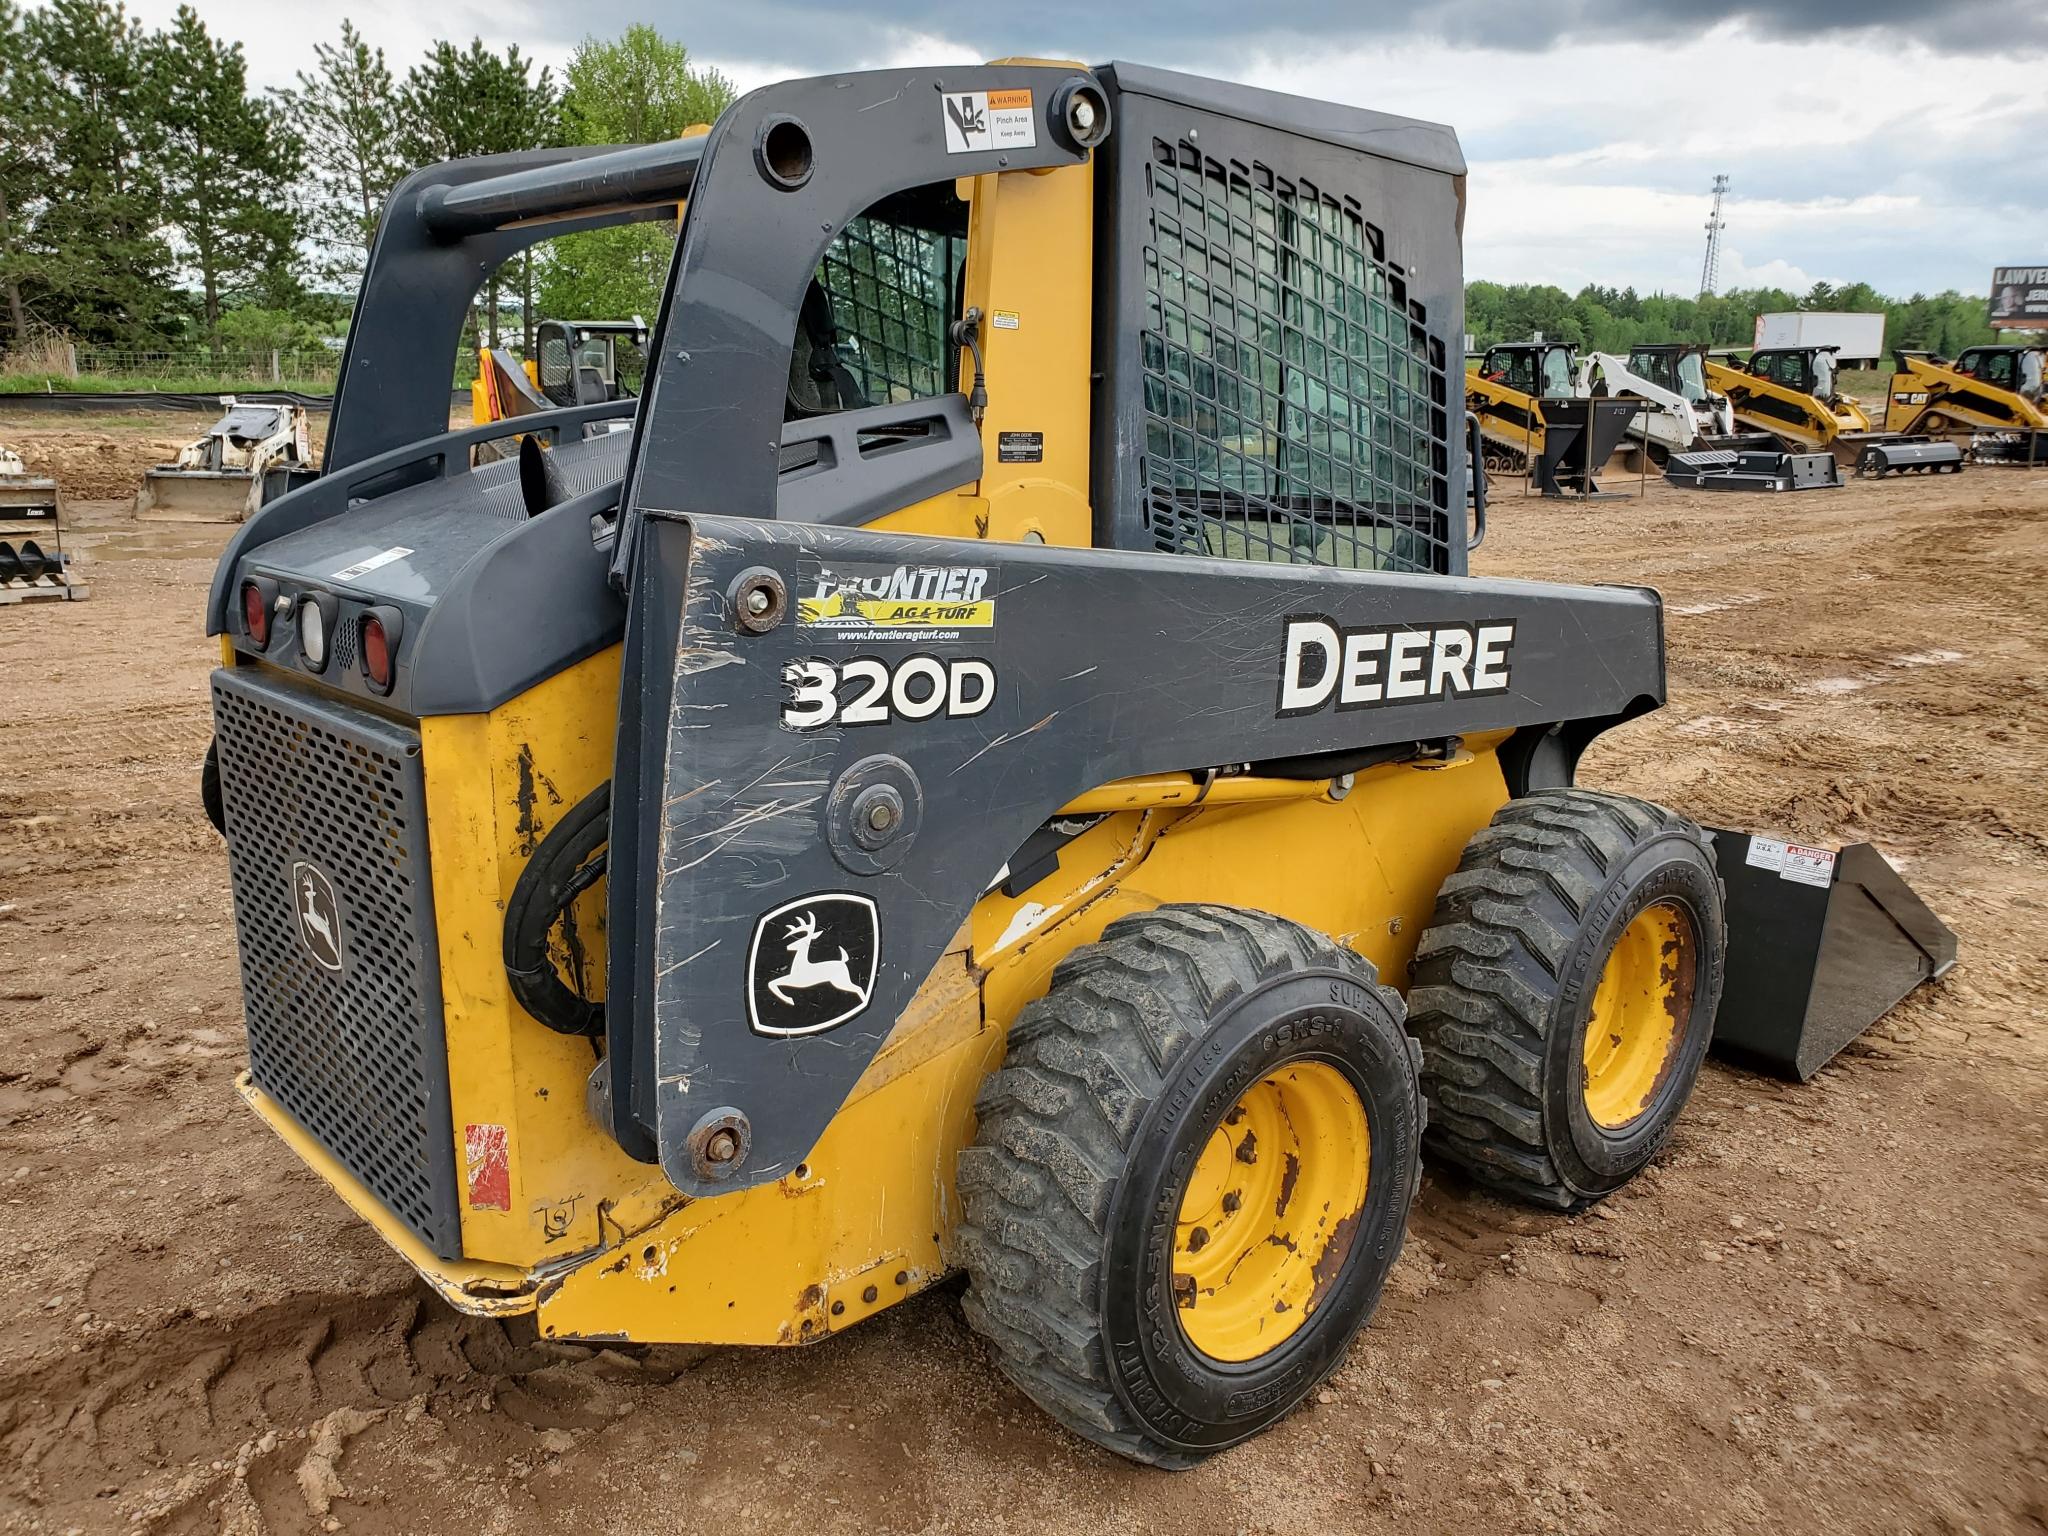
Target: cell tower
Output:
[(1710, 269)]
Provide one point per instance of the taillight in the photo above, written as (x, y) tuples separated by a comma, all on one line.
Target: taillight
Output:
[(382, 629), (259, 598)]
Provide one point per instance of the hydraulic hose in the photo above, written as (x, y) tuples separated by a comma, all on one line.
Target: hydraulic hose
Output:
[(569, 860)]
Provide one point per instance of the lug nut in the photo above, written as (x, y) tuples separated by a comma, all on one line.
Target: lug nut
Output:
[(1231, 1200)]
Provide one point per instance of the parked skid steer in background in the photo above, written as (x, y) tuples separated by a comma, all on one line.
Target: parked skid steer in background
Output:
[(219, 477), (1994, 397), (1794, 395), (968, 779), (1682, 413), (1505, 391)]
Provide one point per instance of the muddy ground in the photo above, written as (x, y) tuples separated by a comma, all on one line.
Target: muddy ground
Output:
[(1825, 1310)]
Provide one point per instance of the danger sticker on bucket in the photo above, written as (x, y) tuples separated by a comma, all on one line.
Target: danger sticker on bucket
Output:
[(1791, 861)]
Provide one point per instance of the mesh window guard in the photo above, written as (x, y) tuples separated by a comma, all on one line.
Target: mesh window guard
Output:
[(1296, 409), (892, 295)]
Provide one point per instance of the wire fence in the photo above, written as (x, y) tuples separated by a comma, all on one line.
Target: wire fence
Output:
[(317, 365)]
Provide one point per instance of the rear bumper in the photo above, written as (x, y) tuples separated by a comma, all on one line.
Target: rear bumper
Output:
[(486, 1290)]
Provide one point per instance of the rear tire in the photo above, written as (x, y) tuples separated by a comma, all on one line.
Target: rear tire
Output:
[(1130, 1089), (1574, 916)]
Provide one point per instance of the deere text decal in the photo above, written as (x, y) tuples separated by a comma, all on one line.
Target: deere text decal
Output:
[(1377, 665)]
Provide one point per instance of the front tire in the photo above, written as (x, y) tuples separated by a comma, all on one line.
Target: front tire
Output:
[(1565, 993), (1190, 1179)]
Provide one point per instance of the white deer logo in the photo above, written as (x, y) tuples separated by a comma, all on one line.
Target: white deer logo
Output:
[(316, 917), (804, 972)]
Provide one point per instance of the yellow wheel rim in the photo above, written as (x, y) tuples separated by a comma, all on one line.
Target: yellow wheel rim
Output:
[(1270, 1211), (1639, 1010)]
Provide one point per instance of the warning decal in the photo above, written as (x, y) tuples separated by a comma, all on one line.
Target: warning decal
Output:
[(1790, 861), (981, 120)]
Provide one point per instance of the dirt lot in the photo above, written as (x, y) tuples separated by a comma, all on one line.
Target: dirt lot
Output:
[(1825, 1310)]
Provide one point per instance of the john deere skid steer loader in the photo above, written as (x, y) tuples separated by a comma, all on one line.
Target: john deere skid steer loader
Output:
[(1003, 768)]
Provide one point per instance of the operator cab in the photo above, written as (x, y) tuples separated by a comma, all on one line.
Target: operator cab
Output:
[(1676, 367), (590, 362), (1539, 368), (1809, 370), (2018, 369)]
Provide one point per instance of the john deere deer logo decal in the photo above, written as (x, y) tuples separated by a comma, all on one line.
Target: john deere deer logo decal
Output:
[(812, 965), (319, 916)]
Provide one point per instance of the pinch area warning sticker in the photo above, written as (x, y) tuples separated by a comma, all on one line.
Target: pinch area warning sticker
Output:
[(979, 120), (1790, 861)]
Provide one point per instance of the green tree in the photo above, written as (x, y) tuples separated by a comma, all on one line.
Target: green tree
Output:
[(101, 264), (23, 164), (347, 115), (635, 89), (457, 103), (227, 160)]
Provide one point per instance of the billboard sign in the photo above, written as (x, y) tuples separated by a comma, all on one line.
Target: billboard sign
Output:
[(2019, 299)]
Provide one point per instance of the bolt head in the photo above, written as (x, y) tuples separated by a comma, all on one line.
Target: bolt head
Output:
[(757, 600), (723, 1146), (1084, 113), (881, 815)]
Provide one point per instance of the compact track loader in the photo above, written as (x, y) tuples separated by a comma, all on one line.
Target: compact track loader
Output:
[(1004, 768), (1993, 397), (1670, 378), (1505, 390), (1792, 394)]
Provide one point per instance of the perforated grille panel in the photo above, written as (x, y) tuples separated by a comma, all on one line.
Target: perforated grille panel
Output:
[(327, 851), (1295, 405), (892, 294)]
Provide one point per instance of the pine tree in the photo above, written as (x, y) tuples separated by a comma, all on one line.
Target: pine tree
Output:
[(102, 267), (23, 164), (459, 103), (228, 160), (346, 114)]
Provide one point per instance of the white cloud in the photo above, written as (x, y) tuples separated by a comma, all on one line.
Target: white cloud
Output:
[(1860, 156)]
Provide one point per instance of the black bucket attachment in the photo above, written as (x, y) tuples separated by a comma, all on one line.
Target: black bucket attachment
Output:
[(1909, 455), (1723, 469), (1578, 437), (1821, 945)]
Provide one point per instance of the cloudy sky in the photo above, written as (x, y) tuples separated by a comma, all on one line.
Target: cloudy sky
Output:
[(1899, 142)]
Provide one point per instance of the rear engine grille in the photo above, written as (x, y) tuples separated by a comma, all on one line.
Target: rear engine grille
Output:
[(326, 817)]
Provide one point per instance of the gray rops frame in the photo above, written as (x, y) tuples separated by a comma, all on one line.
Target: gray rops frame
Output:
[(1107, 663)]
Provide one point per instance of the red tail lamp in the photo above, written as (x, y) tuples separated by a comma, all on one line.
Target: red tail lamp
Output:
[(259, 600), (382, 629)]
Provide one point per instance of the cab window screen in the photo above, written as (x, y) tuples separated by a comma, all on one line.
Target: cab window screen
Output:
[(1295, 406), (891, 285)]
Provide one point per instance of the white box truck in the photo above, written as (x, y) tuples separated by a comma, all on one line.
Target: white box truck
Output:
[(1860, 337)]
